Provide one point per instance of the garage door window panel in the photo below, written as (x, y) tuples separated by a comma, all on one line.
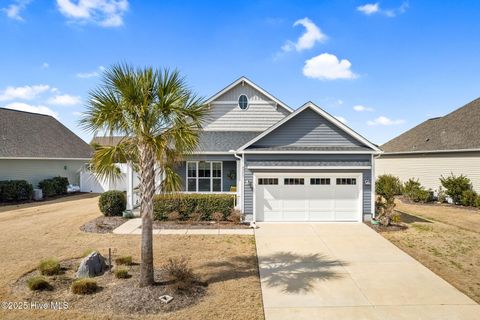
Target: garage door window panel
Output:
[(320, 181), (346, 181), (294, 181)]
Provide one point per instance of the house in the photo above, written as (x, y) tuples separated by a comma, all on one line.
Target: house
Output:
[(282, 164), (34, 147), (436, 147)]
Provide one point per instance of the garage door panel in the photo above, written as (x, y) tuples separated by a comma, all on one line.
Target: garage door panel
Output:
[(328, 215)]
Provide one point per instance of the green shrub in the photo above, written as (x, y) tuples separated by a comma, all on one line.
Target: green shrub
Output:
[(441, 195), (455, 186), (112, 203), (48, 187), (188, 204), (15, 190), (60, 185), (121, 273), (125, 260), (469, 198), (413, 190), (38, 283), (477, 202), (49, 267), (84, 286), (388, 186)]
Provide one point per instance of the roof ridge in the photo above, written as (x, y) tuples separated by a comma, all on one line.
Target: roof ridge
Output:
[(29, 112)]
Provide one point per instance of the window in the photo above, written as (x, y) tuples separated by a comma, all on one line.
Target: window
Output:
[(243, 102), (263, 181), (293, 181), (319, 181), (346, 181), (204, 176)]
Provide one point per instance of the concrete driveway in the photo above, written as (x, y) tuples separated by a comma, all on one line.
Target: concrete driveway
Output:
[(348, 271)]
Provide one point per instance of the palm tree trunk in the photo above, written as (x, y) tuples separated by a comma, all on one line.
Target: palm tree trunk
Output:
[(147, 191)]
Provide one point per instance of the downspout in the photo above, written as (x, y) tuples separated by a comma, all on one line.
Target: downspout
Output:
[(239, 178)]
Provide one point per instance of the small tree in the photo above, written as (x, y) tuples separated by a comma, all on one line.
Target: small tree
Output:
[(455, 186), (414, 191), (386, 187)]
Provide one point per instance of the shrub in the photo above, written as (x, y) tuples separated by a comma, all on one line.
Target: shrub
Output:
[(112, 203), (49, 267), (388, 186), (413, 190), (469, 198), (217, 216), (121, 273), (441, 195), (187, 204), (179, 272), (235, 216), (38, 283), (195, 217), (455, 186), (174, 216), (48, 187), (84, 286), (477, 202), (60, 185), (124, 260), (15, 190)]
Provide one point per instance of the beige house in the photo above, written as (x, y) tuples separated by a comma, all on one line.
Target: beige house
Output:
[(436, 147)]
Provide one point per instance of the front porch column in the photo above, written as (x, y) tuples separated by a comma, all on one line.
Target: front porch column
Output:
[(129, 186)]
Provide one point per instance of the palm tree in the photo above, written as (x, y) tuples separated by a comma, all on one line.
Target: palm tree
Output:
[(159, 119)]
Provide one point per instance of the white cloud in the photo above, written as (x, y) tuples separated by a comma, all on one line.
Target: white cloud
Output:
[(76, 113), (26, 92), (14, 10), (45, 65), (106, 13), (341, 119), (374, 8), (31, 108), (307, 40), (326, 66), (91, 74), (65, 100), (360, 108), (384, 121)]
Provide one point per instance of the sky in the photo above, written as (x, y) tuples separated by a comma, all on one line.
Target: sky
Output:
[(382, 67)]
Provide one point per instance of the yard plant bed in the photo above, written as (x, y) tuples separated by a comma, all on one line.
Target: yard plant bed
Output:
[(103, 224), (198, 225), (227, 263), (448, 245), (123, 296)]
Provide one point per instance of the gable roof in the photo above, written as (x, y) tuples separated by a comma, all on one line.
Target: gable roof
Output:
[(252, 84), (33, 135), (456, 131), (209, 141), (311, 106)]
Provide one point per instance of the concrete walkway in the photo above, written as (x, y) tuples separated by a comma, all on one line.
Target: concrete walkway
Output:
[(133, 226), (348, 271)]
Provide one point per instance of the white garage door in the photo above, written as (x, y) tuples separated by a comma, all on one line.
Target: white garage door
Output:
[(308, 197)]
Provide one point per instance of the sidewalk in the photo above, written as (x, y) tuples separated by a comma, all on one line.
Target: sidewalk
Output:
[(133, 226)]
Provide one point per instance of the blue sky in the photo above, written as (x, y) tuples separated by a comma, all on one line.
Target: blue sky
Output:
[(383, 66)]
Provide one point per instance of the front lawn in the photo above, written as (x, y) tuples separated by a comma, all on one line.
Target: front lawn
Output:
[(446, 240), (30, 233)]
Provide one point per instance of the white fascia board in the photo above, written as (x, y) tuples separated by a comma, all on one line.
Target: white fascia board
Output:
[(322, 113), (211, 152), (39, 158), (309, 167), (255, 86)]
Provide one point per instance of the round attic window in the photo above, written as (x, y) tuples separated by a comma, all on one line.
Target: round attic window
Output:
[(243, 102)]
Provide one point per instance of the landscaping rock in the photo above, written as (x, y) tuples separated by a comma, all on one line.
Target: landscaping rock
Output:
[(92, 265)]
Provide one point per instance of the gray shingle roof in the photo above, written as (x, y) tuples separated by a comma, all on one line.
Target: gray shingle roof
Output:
[(209, 141), (457, 130), (25, 134)]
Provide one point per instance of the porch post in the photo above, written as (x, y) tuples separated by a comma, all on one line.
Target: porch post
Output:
[(239, 186), (129, 186)]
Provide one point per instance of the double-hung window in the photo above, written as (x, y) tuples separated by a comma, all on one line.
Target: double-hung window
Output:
[(204, 176)]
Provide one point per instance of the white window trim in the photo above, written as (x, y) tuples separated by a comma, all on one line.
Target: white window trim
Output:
[(238, 102), (197, 178)]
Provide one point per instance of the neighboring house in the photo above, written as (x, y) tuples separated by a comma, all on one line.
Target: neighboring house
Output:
[(34, 147), (436, 147), (282, 165)]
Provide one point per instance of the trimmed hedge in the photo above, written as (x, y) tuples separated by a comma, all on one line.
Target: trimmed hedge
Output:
[(15, 190), (54, 186), (191, 204), (112, 203)]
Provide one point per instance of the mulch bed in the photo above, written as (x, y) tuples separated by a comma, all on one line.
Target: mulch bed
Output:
[(103, 224), (119, 296), (392, 227)]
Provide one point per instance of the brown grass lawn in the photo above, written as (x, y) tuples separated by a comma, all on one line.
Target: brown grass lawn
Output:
[(446, 240), (31, 232)]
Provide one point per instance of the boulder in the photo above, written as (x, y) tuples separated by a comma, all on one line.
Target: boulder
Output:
[(92, 265)]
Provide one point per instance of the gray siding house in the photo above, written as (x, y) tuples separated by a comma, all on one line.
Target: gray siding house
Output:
[(282, 164), (439, 146), (34, 147)]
